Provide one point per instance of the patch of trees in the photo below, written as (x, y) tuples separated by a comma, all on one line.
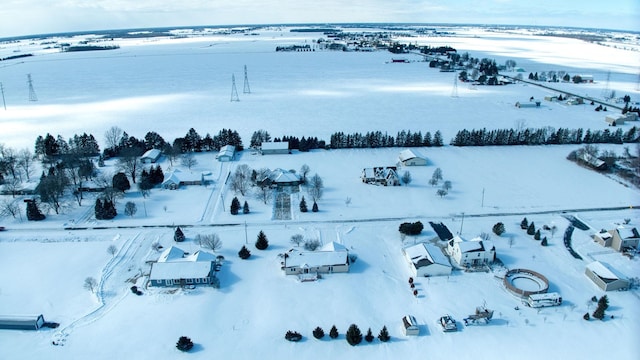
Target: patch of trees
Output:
[(302, 144), (411, 228), (378, 139), (90, 48), (12, 57), (105, 209), (33, 212), (543, 136), (437, 50)]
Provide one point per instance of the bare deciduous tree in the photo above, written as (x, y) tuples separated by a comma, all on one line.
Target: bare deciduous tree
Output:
[(10, 207), (209, 241), (130, 208), (112, 137), (315, 187), (241, 179), (91, 284), (188, 160), (112, 250), (297, 239), (25, 162)]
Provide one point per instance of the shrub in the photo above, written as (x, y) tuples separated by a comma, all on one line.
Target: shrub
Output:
[(312, 244), (314, 208), (178, 236), (498, 229), (262, 243), (524, 224), (384, 334), (318, 333), (369, 337), (333, 333), (245, 208), (586, 316), (244, 253), (184, 344), (603, 304), (537, 235), (293, 336), (411, 228), (134, 289), (353, 335), (544, 241), (531, 229), (303, 205)]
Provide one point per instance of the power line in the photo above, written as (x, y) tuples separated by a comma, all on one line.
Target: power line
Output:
[(32, 92), (234, 91), (247, 89), (3, 102)]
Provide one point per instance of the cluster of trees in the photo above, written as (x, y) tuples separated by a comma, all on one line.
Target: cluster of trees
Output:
[(353, 334), (414, 228), (543, 136), (151, 178), (51, 146), (235, 206), (105, 209), (295, 143), (377, 139)]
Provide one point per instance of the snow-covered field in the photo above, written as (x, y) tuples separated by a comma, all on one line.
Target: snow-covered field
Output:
[(169, 86)]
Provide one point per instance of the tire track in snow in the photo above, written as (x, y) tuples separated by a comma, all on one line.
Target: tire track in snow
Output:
[(125, 254)]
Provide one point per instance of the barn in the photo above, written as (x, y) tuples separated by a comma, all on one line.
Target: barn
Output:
[(411, 157), (226, 153), (274, 148), (28, 322), (150, 156)]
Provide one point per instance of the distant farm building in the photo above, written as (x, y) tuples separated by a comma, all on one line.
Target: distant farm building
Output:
[(381, 175), (150, 156), (331, 258), (592, 161), (411, 157), (528, 104), (226, 153), (427, 260), (177, 268), (410, 326), (29, 322), (619, 239), (473, 253), (605, 277), (274, 148)]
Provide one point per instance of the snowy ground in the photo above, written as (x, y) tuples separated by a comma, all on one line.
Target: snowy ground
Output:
[(170, 86)]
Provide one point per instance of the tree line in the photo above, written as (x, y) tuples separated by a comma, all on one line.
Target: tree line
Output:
[(543, 136), (378, 139)]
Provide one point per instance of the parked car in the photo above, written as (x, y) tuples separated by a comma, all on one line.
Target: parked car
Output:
[(448, 324)]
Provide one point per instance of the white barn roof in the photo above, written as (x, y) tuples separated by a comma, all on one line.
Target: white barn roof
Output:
[(602, 271), (279, 145), (428, 252), (410, 154)]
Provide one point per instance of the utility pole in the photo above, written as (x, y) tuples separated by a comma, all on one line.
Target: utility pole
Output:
[(482, 204), (461, 223), (246, 238), (234, 91), (247, 89), (454, 91), (3, 102), (32, 92)]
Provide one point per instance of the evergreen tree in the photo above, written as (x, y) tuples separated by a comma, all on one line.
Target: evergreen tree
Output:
[(244, 253), (437, 139), (524, 224), (109, 210), (333, 333), (318, 333), (303, 205), (498, 229), (537, 235), (235, 206), (99, 210), (544, 241), (121, 182), (384, 334), (33, 213), (178, 235), (353, 335), (184, 344), (603, 304), (245, 208), (369, 336), (314, 208), (531, 229), (262, 243)]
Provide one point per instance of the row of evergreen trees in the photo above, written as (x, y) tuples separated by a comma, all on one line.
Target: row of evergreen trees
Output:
[(377, 139), (543, 136), (302, 144), (105, 209)]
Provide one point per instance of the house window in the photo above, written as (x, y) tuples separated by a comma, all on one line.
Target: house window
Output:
[(197, 281), (189, 281)]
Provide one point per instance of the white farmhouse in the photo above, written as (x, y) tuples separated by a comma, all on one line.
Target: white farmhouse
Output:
[(427, 260), (476, 252)]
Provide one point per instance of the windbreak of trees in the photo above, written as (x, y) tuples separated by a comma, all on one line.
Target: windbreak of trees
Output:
[(377, 139), (543, 136)]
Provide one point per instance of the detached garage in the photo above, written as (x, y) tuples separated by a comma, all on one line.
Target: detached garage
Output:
[(29, 322), (411, 157), (427, 260), (606, 277)]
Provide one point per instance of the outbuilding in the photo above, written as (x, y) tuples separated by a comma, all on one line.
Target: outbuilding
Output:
[(605, 277), (226, 153), (427, 260), (411, 157), (150, 156), (274, 148), (410, 326), (25, 322)]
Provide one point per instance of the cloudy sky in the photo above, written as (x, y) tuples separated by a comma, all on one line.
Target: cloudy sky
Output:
[(26, 17)]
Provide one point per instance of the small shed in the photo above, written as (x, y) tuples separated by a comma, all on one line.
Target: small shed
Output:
[(150, 156), (273, 148), (24, 322), (226, 153), (605, 277), (615, 119), (411, 157), (410, 326)]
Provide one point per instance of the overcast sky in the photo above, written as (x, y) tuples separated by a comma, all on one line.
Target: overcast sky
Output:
[(26, 17)]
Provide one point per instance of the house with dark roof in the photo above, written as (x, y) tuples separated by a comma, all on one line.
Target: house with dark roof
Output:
[(381, 175)]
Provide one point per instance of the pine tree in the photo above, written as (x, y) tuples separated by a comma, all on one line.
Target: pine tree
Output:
[(262, 243), (99, 210), (178, 235), (314, 208), (544, 241), (384, 334), (235, 206), (537, 235), (109, 210), (245, 208), (184, 344), (33, 213), (333, 333), (318, 333), (244, 253), (353, 335), (524, 224), (603, 304), (531, 229), (498, 229), (369, 337), (303, 205)]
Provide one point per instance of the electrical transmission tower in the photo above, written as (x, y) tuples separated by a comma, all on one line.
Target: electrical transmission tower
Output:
[(32, 93), (606, 92), (234, 91), (247, 89), (3, 102), (454, 91)]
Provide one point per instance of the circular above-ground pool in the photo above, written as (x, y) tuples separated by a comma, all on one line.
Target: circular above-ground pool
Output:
[(524, 282)]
